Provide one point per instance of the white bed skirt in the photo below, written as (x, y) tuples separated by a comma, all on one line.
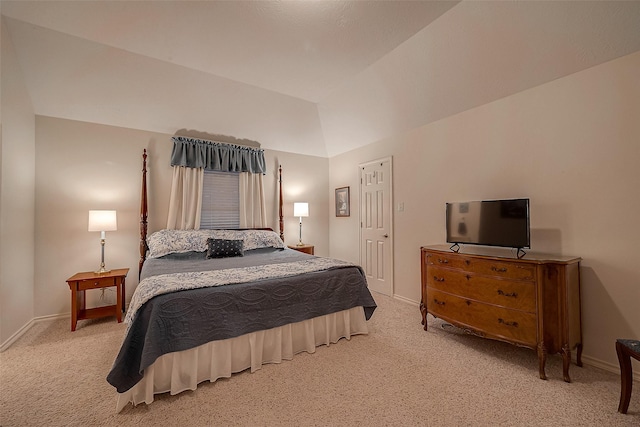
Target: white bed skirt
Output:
[(184, 370)]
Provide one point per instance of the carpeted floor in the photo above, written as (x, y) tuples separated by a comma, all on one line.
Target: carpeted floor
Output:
[(396, 375)]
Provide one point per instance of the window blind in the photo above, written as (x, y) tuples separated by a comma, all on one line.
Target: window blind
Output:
[(220, 200)]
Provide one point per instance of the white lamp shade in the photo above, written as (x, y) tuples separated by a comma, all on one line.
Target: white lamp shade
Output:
[(301, 209), (102, 221)]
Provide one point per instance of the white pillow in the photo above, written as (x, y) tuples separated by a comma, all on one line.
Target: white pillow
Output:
[(166, 242), (254, 239)]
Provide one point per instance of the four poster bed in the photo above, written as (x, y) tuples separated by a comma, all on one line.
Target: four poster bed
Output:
[(211, 303)]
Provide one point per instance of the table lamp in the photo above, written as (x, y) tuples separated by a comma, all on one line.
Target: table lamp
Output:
[(102, 221), (300, 210)]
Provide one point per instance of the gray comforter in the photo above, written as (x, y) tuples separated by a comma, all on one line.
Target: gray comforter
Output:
[(186, 319)]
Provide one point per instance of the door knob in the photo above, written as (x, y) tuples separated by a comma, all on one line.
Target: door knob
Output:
[(386, 235)]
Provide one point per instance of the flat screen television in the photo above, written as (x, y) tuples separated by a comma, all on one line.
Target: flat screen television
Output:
[(489, 223)]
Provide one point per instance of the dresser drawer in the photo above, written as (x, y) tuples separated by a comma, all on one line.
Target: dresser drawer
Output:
[(83, 285), (504, 269), (497, 322), (449, 260), (520, 295), (489, 267)]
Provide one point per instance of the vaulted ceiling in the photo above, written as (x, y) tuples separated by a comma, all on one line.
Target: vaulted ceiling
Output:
[(309, 77)]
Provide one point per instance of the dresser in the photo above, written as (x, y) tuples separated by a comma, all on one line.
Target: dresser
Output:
[(531, 302)]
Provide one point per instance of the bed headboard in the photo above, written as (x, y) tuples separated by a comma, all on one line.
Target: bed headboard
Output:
[(144, 212)]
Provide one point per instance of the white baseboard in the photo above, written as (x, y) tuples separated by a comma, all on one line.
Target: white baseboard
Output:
[(606, 366), (13, 338), (407, 300), (20, 332)]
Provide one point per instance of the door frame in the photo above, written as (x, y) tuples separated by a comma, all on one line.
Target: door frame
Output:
[(391, 205)]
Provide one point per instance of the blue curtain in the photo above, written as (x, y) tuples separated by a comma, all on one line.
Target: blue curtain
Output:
[(217, 156)]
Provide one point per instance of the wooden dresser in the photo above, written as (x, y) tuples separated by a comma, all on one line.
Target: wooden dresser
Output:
[(531, 302)]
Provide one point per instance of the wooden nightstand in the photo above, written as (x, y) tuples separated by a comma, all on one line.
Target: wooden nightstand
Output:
[(307, 249), (80, 282)]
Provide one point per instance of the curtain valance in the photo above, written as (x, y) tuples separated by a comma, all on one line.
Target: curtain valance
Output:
[(218, 156)]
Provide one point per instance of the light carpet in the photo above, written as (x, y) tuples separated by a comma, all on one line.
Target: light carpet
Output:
[(397, 375)]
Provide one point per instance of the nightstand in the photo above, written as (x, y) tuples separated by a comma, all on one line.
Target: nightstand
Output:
[(80, 282), (307, 249)]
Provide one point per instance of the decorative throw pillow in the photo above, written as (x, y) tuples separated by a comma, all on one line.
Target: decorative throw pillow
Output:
[(223, 248)]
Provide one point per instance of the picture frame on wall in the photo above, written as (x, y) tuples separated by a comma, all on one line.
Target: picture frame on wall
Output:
[(343, 202)]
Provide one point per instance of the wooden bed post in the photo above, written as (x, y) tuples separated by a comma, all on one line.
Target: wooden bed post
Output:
[(280, 207), (143, 214)]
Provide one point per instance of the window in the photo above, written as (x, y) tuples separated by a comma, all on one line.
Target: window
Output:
[(220, 200)]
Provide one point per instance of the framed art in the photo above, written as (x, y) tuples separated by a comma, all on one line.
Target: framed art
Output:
[(343, 202)]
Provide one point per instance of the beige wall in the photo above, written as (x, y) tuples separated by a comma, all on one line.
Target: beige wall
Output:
[(17, 175), (83, 166), (572, 146)]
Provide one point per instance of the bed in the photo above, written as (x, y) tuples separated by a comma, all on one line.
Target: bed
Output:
[(211, 303)]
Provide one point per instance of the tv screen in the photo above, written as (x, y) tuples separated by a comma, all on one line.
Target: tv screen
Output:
[(489, 222)]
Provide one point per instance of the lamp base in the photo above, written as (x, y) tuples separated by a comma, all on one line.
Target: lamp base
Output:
[(102, 270), (300, 239)]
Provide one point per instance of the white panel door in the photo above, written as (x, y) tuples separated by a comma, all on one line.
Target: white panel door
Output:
[(376, 242)]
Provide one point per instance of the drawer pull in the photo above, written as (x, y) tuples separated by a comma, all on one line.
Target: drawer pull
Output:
[(499, 270), (443, 261), (508, 294), (504, 322), (438, 279), (438, 301), (96, 284)]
